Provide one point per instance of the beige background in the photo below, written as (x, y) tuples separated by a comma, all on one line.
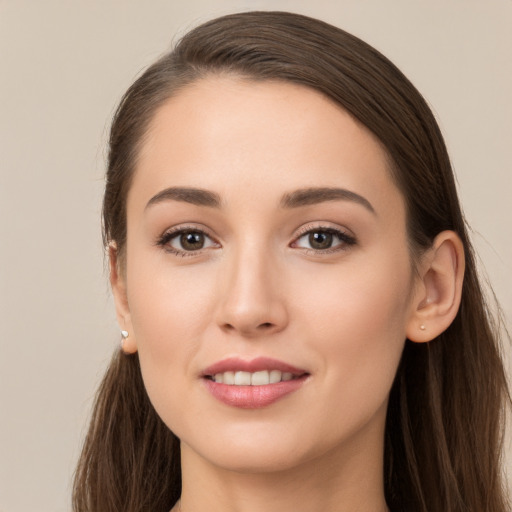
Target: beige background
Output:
[(64, 65)]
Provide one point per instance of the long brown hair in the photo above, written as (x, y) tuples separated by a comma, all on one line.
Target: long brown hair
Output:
[(445, 416)]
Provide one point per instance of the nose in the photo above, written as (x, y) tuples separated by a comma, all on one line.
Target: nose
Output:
[(253, 304)]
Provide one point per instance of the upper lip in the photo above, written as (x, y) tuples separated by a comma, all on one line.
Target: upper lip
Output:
[(235, 364)]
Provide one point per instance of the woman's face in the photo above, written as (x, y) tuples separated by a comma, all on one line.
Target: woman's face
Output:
[(265, 236)]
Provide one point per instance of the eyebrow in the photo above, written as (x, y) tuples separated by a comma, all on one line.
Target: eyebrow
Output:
[(197, 196), (312, 195), (295, 199)]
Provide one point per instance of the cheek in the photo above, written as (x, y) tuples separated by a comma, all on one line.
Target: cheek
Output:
[(357, 318), (170, 312), (167, 302), (363, 293)]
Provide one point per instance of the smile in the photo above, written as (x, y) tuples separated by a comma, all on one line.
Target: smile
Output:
[(261, 378), (252, 384)]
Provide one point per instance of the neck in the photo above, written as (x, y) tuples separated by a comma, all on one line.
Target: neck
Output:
[(344, 480)]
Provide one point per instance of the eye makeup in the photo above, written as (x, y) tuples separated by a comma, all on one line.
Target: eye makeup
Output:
[(190, 240)]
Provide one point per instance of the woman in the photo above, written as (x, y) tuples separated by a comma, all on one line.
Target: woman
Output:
[(302, 323)]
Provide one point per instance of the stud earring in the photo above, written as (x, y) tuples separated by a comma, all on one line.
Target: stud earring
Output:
[(124, 334), (422, 327)]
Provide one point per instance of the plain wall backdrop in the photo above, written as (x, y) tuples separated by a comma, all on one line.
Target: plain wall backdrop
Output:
[(64, 66)]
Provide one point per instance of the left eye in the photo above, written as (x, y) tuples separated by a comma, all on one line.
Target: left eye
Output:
[(323, 239)]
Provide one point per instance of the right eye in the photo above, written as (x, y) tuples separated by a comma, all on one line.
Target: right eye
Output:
[(186, 242)]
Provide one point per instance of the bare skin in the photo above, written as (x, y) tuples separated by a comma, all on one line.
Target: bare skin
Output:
[(267, 261)]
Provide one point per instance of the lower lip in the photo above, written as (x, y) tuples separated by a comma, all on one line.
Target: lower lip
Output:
[(253, 397)]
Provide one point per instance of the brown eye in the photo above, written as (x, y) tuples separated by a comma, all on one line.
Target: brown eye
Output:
[(320, 240), (192, 240), (186, 241), (324, 240)]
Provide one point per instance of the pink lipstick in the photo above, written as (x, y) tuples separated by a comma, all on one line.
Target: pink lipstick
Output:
[(252, 384)]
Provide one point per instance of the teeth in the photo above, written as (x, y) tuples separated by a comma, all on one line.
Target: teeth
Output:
[(229, 377), (252, 379), (260, 378), (275, 376), (242, 379)]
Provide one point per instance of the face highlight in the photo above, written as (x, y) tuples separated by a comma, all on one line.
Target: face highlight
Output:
[(266, 248)]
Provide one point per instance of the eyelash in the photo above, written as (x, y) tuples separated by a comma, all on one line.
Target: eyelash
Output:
[(164, 240), (346, 240)]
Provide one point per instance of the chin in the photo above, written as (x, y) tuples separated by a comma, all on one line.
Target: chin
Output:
[(254, 459), (255, 448)]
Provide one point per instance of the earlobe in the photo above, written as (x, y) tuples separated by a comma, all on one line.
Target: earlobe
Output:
[(439, 293), (118, 285)]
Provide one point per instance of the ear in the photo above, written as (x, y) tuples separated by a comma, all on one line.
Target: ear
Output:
[(118, 284), (438, 292)]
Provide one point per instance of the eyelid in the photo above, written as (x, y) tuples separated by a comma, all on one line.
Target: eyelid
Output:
[(323, 226)]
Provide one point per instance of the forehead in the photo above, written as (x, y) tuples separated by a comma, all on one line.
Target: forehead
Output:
[(226, 133)]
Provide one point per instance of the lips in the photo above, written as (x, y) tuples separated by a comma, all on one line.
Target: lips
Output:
[(252, 384), (235, 364)]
